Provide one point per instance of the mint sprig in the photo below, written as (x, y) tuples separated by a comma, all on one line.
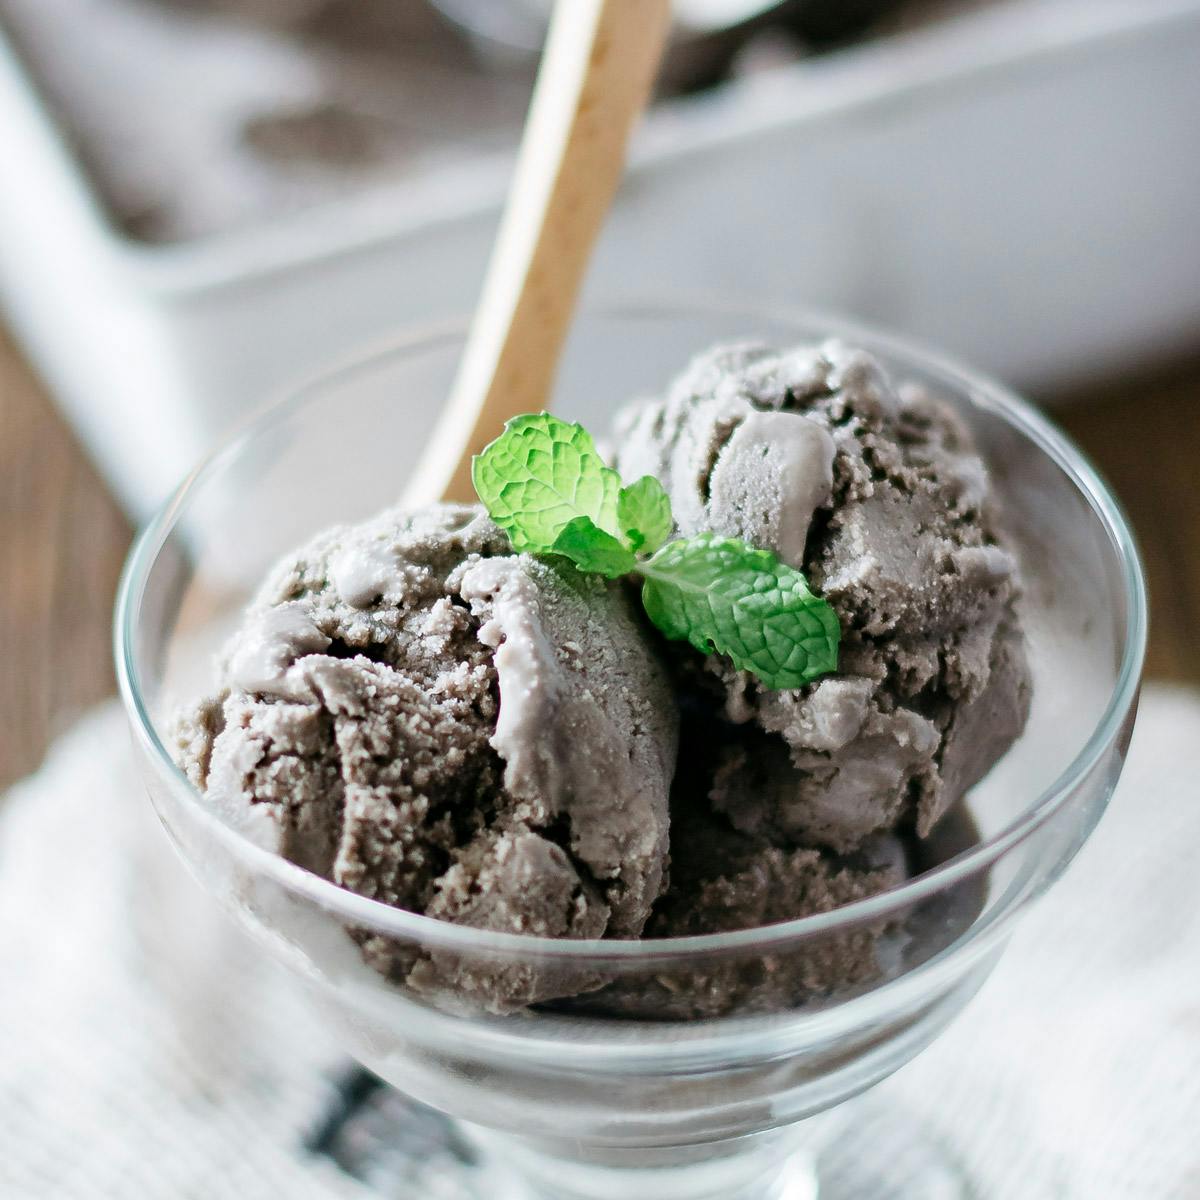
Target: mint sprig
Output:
[(541, 474), (590, 548), (721, 594), (644, 514), (545, 485)]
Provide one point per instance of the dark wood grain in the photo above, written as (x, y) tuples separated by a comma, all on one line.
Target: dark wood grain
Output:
[(62, 540), (1145, 438)]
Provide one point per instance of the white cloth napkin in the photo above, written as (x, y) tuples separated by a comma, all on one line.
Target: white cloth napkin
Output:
[(146, 1049)]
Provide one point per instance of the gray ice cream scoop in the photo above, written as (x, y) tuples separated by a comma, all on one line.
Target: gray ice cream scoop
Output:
[(877, 493), (427, 719)]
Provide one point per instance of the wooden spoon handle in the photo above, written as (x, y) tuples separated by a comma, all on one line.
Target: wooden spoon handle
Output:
[(596, 73)]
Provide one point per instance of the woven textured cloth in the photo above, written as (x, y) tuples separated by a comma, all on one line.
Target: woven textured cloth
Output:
[(147, 1050)]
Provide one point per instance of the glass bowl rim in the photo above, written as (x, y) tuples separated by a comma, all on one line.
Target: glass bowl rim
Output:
[(327, 895)]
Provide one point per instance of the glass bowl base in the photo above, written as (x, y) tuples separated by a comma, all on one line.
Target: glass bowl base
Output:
[(872, 1151), (865, 1150)]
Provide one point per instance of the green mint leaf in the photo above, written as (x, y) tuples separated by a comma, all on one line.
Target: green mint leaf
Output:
[(590, 548), (644, 514), (722, 595), (544, 484), (539, 475)]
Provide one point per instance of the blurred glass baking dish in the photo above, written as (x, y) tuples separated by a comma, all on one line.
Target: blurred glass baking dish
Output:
[(914, 181)]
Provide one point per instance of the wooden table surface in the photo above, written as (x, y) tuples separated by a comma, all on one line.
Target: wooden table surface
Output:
[(62, 540)]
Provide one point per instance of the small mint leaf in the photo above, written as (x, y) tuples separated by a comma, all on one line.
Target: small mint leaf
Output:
[(722, 595), (644, 514), (592, 549), (539, 475)]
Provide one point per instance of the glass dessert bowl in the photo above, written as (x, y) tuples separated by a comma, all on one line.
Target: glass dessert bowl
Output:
[(567, 1103)]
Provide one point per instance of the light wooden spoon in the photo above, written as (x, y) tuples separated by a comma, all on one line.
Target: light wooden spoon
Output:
[(596, 74)]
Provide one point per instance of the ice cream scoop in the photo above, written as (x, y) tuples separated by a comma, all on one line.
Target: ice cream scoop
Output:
[(876, 492), (429, 720)]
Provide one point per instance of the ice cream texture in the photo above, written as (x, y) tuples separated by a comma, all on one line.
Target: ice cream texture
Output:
[(426, 718), (876, 492)]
